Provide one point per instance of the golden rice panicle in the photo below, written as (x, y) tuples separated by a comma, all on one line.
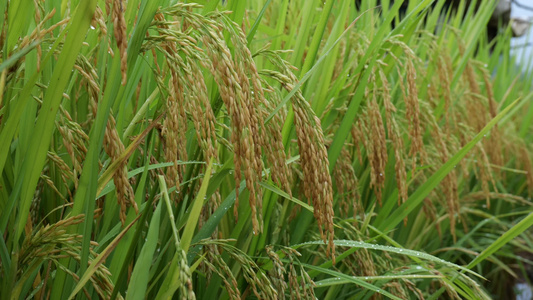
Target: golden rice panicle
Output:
[(171, 42), (393, 131), (445, 77), (121, 36), (399, 166), (250, 95), (485, 174), (396, 289), (347, 185), (316, 173), (413, 114), (357, 134), (89, 78), (475, 102), (201, 112), (244, 134), (525, 159), (293, 280), (53, 242), (376, 147), (494, 143), (114, 148), (274, 148), (216, 264), (255, 276), (277, 273), (473, 95), (449, 183), (39, 32), (365, 263), (108, 6), (173, 127), (100, 20), (304, 290), (269, 137), (313, 153), (315, 165), (67, 174), (430, 210), (74, 140), (204, 121)]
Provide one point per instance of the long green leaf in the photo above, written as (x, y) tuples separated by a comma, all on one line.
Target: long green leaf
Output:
[(401, 251), (139, 277), (44, 127), (353, 280), (194, 215), (510, 234)]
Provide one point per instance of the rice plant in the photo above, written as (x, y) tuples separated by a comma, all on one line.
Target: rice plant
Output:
[(261, 149)]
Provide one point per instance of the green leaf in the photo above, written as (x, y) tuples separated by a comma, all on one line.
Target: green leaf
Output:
[(401, 251), (353, 280), (281, 193), (140, 276), (510, 234), (44, 127), (194, 215)]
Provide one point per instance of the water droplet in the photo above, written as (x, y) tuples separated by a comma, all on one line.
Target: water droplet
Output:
[(92, 27), (348, 75), (252, 92), (378, 291), (429, 85), (380, 174), (486, 65)]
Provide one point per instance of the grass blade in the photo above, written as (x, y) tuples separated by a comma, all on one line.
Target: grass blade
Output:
[(139, 277), (197, 205)]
